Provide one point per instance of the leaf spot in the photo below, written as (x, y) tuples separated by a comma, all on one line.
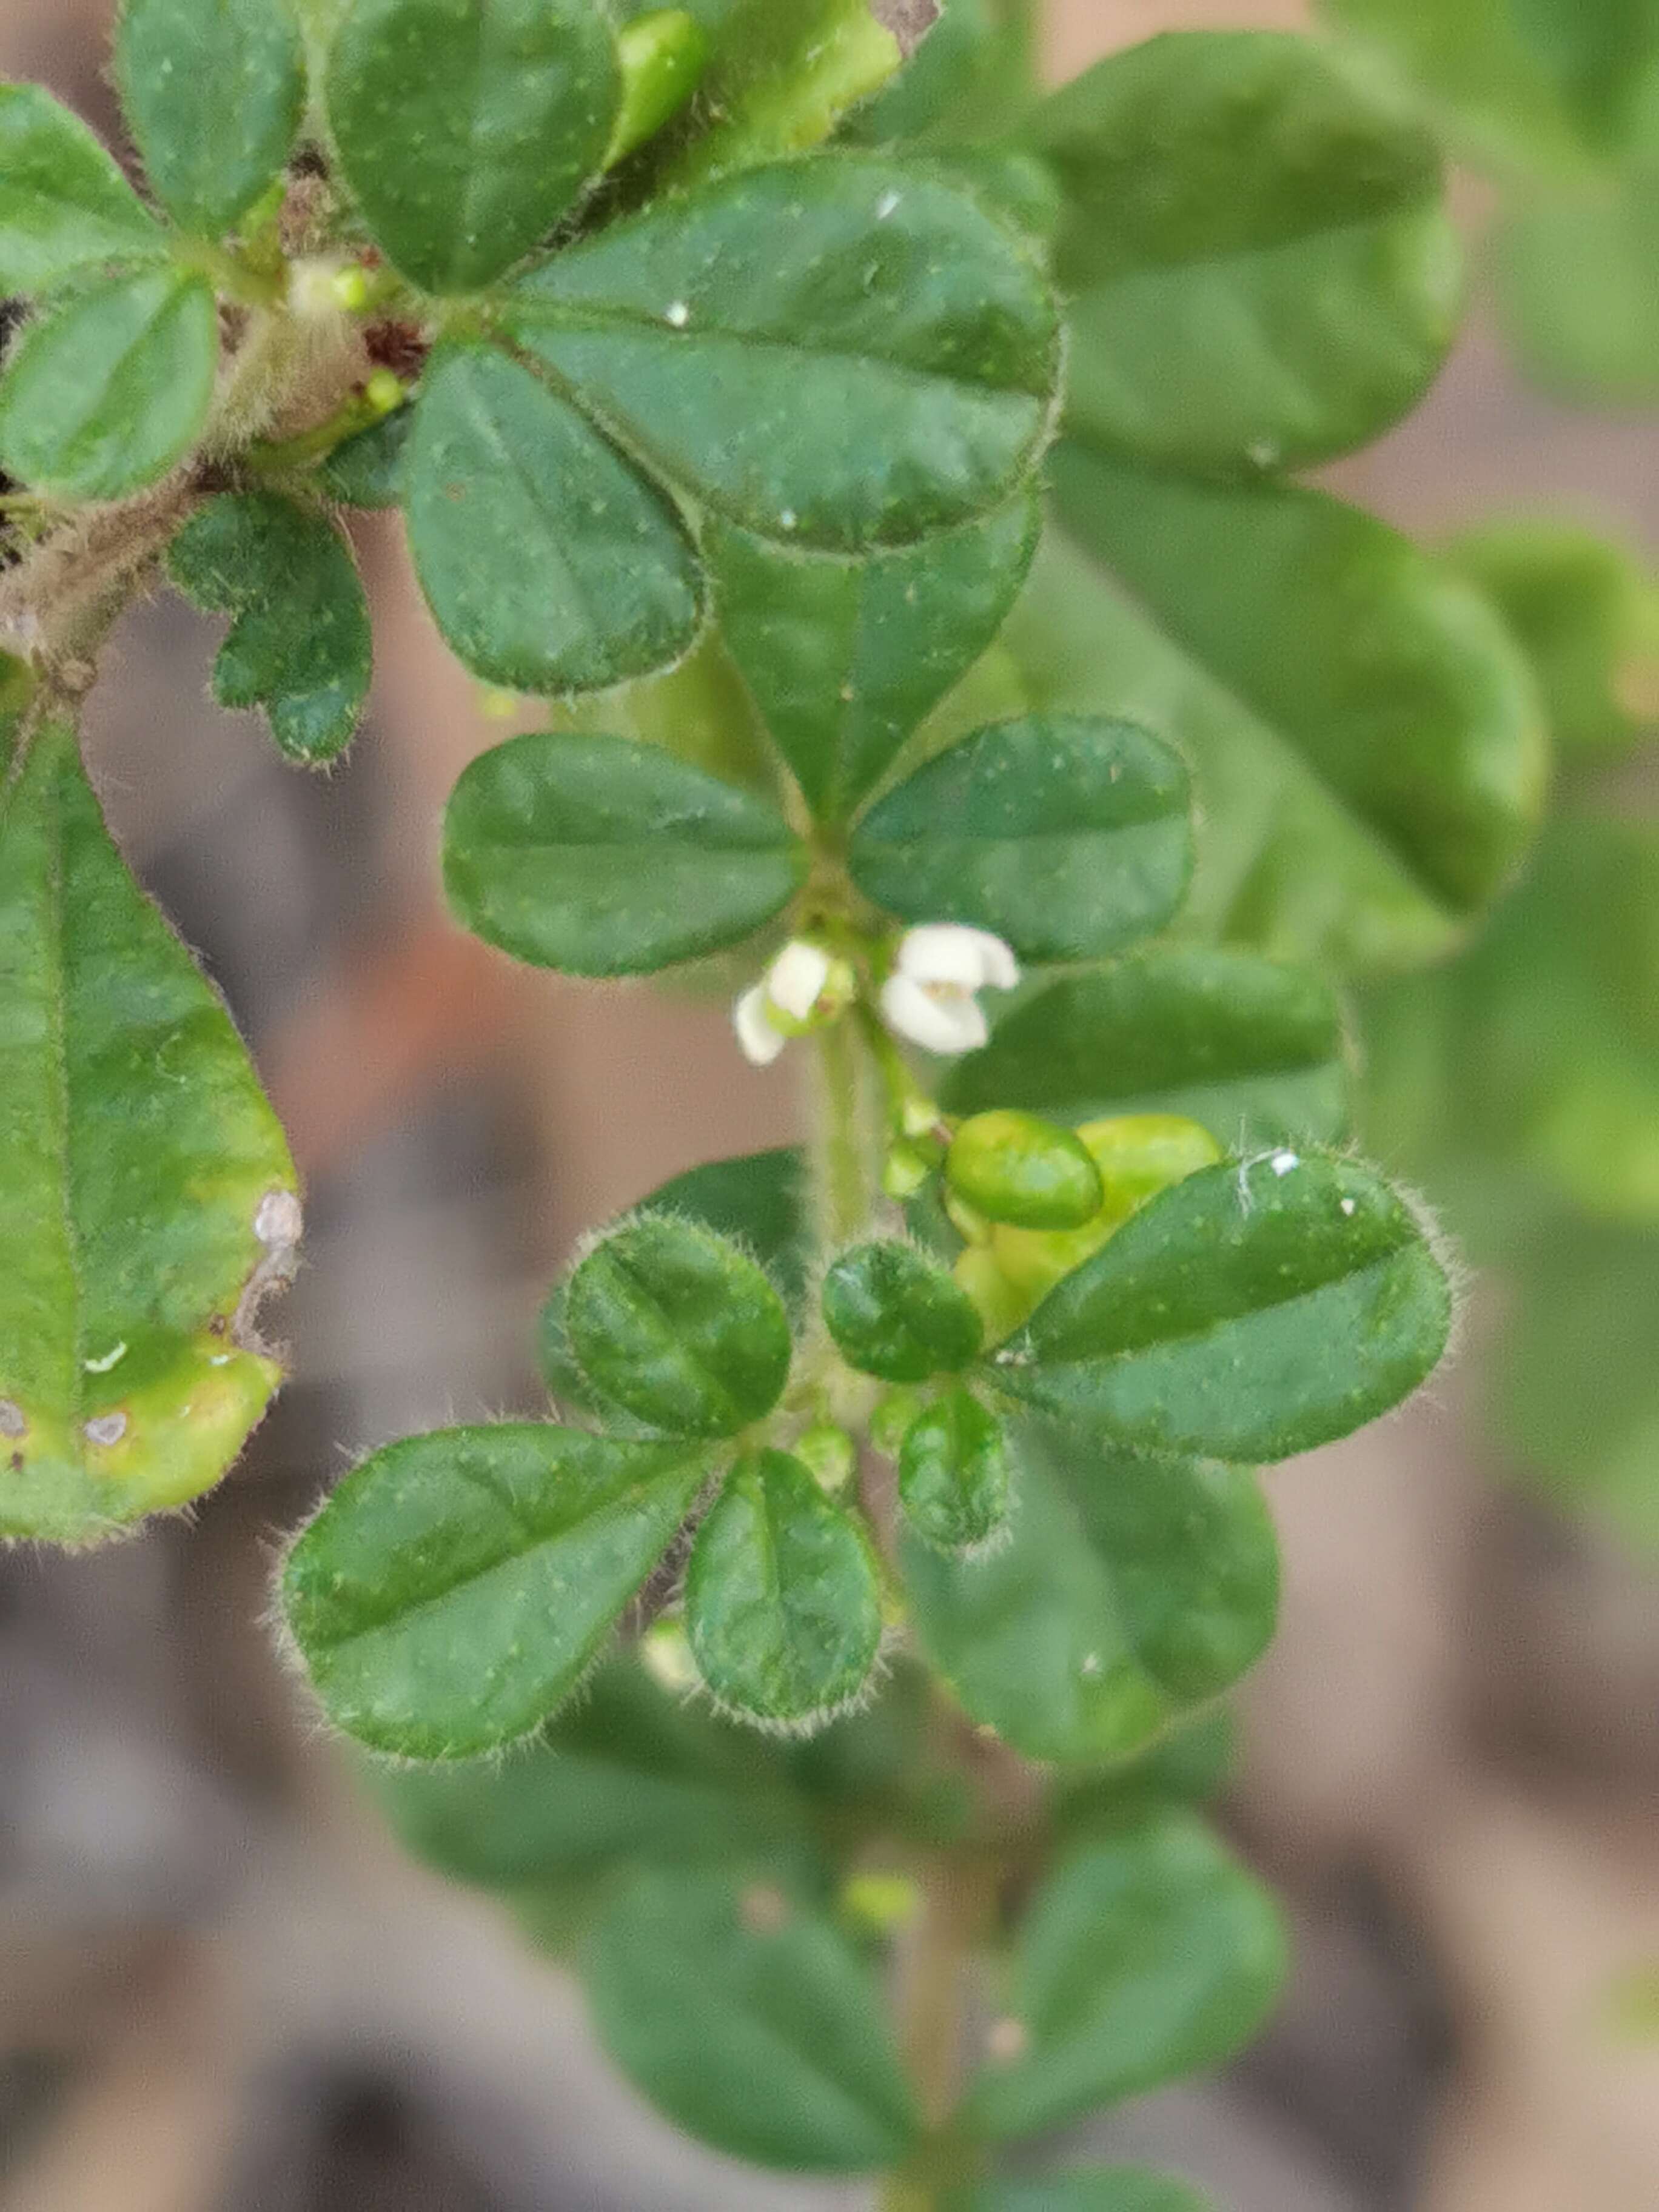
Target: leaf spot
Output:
[(105, 1428), (1006, 2041), (1347, 1206), (12, 1420), (279, 1223), (1282, 1163), (677, 312)]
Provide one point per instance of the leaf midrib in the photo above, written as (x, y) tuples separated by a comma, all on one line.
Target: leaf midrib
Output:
[(1199, 1334)]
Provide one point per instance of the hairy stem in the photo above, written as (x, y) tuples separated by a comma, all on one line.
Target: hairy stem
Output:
[(842, 1181), (956, 1904)]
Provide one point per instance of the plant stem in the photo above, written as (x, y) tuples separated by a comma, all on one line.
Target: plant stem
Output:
[(955, 1903), (842, 1184)]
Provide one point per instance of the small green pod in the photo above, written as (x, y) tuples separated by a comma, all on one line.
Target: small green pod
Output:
[(1019, 1169)]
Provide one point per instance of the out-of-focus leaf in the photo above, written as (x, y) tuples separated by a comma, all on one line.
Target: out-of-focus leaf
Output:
[(144, 1182), (1260, 269)]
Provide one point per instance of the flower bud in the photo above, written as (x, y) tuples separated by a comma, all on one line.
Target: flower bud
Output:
[(829, 1452), (904, 1172), (1016, 1168), (891, 1418), (880, 1902)]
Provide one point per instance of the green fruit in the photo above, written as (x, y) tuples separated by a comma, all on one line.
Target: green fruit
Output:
[(1019, 1169), (1136, 1156)]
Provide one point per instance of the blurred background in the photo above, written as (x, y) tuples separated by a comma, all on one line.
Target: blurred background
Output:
[(223, 1990)]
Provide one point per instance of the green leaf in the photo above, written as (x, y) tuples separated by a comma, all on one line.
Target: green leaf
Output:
[(677, 1326), (368, 470), (214, 91), (1141, 1959), (662, 55), (467, 128), (894, 1313), (1253, 1051), (1067, 835), (1585, 610), (758, 1201), (64, 206), (628, 1773), (1544, 1036), (845, 657), (1530, 83), (108, 389), (780, 80), (1578, 293), (548, 564), (1131, 1590), (971, 77), (146, 1193), (301, 644), (953, 1474), (1574, 1392), (1260, 269), (603, 856), (1093, 2189), (1248, 1312), (835, 352), (456, 1586), (783, 1603), (752, 2021), (1387, 773)]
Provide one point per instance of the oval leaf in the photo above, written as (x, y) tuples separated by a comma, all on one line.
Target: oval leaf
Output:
[(1247, 1312), (214, 91), (845, 657), (366, 470), (1584, 608), (467, 127), (108, 389), (752, 2021), (953, 1474), (627, 1772), (1131, 1590), (759, 1200), (64, 205), (837, 353), (454, 1590), (301, 644), (1253, 1051), (603, 856), (146, 1193), (893, 1313), (783, 1603), (1069, 835), (1260, 270), (675, 1324), (548, 564), (1142, 1958), (1369, 786)]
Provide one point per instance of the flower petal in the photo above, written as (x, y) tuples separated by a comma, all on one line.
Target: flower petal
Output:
[(952, 952), (943, 1021), (796, 978), (760, 1042)]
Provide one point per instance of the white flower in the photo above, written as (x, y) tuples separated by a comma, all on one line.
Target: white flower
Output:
[(929, 997), (804, 984)]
